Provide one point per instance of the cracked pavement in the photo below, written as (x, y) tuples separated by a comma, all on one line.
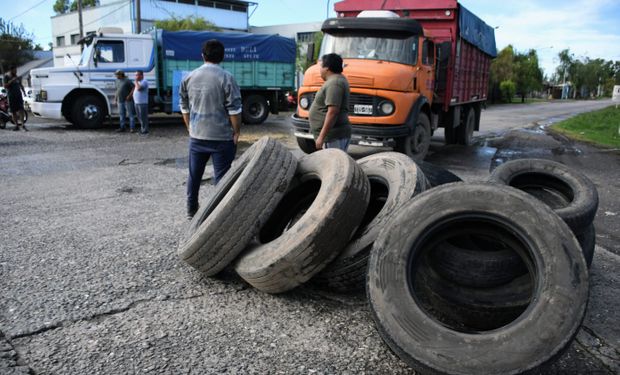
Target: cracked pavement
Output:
[(92, 284)]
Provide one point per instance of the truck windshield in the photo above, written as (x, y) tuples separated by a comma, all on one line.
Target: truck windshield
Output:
[(86, 55), (403, 51)]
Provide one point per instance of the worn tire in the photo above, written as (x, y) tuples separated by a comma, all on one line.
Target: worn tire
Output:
[(241, 203), (571, 194), (255, 109), (539, 335), (417, 144), (465, 132), (88, 112), (475, 266), (306, 145), (394, 179), (436, 175), (587, 240), (299, 240)]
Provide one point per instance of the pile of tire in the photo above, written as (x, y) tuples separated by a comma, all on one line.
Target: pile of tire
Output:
[(457, 275)]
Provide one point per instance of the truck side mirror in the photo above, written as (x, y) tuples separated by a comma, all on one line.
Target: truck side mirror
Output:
[(96, 57), (310, 53)]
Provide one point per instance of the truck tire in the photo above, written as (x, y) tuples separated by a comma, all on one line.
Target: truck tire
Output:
[(241, 203), (587, 240), (477, 266), (449, 134), (465, 132), (88, 112), (539, 335), (571, 194), (436, 175), (306, 145), (394, 178), (311, 225), (255, 109), (417, 144)]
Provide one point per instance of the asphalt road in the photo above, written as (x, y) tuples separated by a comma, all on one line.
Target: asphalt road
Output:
[(91, 283)]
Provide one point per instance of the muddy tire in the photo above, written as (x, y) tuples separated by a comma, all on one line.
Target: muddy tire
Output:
[(240, 205), (255, 109), (465, 132), (417, 144), (311, 225), (587, 240), (394, 178), (436, 175), (476, 265), (572, 195), (414, 332), (306, 145)]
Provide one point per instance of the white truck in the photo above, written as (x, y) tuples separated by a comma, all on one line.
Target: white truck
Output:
[(83, 94)]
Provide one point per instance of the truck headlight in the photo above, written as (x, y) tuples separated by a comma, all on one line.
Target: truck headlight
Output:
[(304, 102), (386, 107)]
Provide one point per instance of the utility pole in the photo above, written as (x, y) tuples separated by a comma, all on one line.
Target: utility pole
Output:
[(138, 18), (79, 4)]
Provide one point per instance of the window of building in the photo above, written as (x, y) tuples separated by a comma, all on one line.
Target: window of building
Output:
[(75, 38), (60, 41), (205, 3), (239, 8), (222, 6), (110, 51), (191, 2), (305, 37)]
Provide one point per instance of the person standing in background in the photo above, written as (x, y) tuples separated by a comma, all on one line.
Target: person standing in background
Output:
[(124, 101), (13, 85), (140, 95)]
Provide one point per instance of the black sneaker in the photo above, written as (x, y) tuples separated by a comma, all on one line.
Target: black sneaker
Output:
[(120, 130), (191, 211), (16, 129), (25, 128)]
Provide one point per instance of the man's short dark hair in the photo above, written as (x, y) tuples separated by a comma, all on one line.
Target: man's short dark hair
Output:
[(333, 62), (213, 51), (139, 72), (12, 67)]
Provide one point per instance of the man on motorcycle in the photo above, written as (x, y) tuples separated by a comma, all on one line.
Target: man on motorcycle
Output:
[(13, 85)]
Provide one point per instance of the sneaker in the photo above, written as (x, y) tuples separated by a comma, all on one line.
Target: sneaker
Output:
[(132, 130), (25, 128), (191, 211), (120, 130), (16, 129)]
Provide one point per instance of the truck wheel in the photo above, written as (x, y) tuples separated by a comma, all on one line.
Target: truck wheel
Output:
[(88, 112), (241, 203), (394, 179), (569, 193), (255, 109), (306, 145), (541, 333), (416, 145), (311, 225), (465, 132)]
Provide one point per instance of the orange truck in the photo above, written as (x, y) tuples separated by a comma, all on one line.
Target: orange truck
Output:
[(413, 66)]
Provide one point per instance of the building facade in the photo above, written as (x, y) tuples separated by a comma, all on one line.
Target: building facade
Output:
[(231, 15)]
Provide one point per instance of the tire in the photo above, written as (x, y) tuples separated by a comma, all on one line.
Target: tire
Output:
[(538, 336), (306, 145), (449, 135), (475, 309), (88, 112), (477, 266), (465, 132), (568, 192), (436, 175), (255, 109), (587, 240), (312, 224), (241, 203), (416, 145), (394, 178)]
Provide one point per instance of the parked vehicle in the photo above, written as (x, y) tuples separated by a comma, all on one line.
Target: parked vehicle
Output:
[(263, 65), (412, 67), (28, 98)]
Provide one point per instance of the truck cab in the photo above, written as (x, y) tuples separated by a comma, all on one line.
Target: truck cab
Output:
[(390, 68), (83, 93)]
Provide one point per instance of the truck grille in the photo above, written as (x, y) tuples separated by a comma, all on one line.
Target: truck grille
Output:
[(357, 99)]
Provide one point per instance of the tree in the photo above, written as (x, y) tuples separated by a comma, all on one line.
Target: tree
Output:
[(528, 75), (15, 45), (501, 70), (61, 6), (508, 90), (188, 23), (85, 4)]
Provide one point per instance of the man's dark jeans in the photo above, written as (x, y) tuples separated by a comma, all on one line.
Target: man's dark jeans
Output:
[(200, 151)]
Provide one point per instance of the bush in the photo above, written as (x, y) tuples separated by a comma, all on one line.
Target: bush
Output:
[(508, 90)]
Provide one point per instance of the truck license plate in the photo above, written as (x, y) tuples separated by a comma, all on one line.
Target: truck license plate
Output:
[(362, 109)]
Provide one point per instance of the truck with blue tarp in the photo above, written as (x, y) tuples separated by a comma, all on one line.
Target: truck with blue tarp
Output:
[(83, 94)]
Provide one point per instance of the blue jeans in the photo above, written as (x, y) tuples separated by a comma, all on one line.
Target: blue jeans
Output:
[(341, 143), (126, 109), (142, 110), (200, 151)]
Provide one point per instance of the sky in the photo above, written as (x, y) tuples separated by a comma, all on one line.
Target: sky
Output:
[(588, 27)]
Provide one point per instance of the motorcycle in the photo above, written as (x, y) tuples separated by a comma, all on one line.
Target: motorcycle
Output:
[(5, 112)]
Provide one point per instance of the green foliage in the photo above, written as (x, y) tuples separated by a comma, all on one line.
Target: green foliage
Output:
[(528, 75), (194, 23), (302, 63), (15, 45), (601, 127), (85, 4), (61, 6), (508, 90), (587, 75)]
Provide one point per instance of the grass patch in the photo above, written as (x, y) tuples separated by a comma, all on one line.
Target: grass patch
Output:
[(601, 127)]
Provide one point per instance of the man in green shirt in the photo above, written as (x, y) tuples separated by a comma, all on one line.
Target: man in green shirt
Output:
[(329, 112)]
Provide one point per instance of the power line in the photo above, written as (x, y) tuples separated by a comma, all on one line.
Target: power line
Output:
[(27, 10)]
